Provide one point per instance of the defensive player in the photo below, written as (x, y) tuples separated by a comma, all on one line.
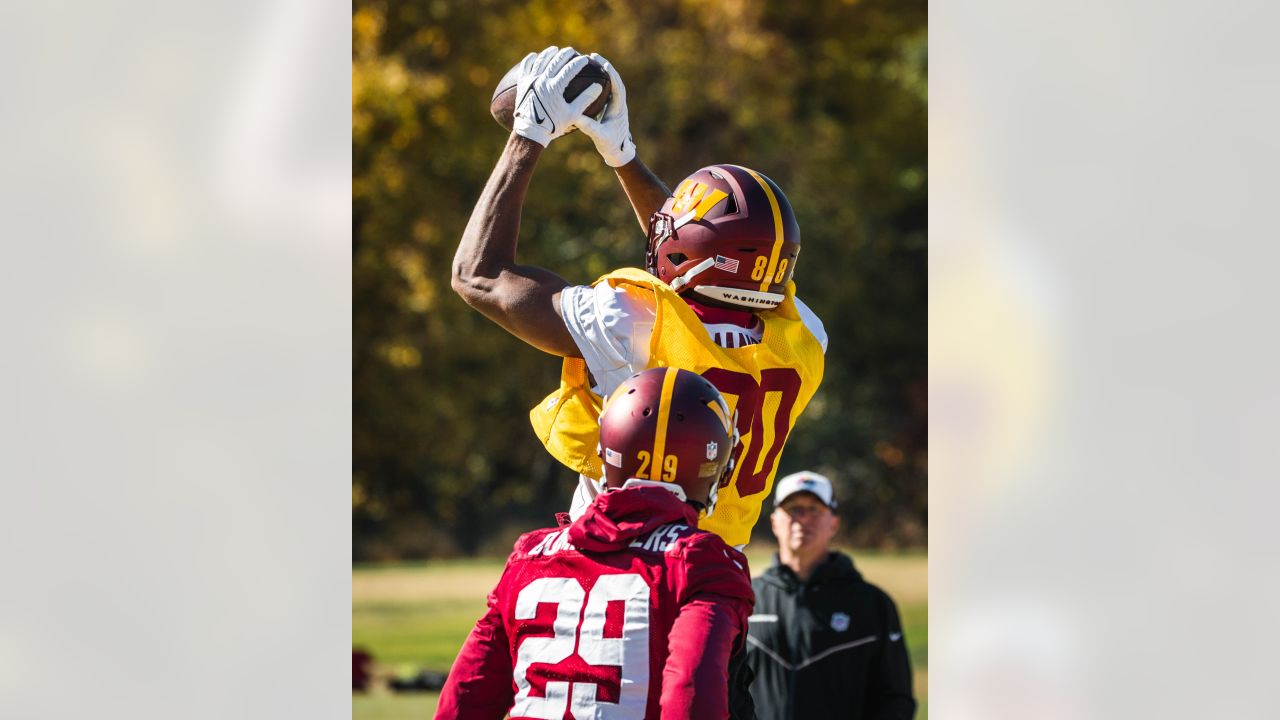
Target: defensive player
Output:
[(717, 297), (631, 611)]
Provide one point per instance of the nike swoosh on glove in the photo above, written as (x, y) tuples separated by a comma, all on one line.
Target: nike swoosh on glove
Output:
[(542, 114), (611, 133)]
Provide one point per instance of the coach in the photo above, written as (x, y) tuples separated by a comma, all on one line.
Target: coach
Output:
[(823, 642)]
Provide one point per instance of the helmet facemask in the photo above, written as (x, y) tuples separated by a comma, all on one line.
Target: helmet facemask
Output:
[(727, 474), (661, 229)]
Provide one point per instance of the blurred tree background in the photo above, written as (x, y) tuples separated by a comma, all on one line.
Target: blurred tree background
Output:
[(827, 97)]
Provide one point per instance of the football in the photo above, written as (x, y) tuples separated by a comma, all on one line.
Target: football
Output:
[(503, 104)]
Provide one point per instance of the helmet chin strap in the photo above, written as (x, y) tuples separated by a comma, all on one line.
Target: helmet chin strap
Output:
[(749, 299), (692, 273)]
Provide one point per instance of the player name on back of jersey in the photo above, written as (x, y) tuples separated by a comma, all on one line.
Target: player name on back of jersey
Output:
[(657, 541), (552, 543), (661, 538)]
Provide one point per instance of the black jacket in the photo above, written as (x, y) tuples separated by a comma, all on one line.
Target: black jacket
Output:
[(831, 647)]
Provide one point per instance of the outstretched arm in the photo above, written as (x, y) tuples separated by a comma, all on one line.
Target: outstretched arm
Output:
[(523, 299)]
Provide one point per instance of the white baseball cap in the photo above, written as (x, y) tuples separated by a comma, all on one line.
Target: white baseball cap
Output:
[(805, 481)]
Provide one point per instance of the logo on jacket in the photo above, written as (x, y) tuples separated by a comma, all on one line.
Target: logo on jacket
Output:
[(839, 622)]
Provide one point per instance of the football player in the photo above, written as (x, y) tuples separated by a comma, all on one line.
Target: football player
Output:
[(716, 295), (631, 611)]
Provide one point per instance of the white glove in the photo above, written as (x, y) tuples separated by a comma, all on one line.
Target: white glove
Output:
[(612, 133), (542, 114)]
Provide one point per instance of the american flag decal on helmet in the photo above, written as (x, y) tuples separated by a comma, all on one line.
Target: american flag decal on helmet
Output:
[(727, 264), (613, 457)]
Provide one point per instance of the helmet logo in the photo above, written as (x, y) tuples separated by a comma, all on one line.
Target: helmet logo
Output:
[(712, 450), (696, 196), (687, 195), (728, 265)]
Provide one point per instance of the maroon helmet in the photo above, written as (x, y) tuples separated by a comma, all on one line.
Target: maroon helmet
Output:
[(672, 426), (728, 236)]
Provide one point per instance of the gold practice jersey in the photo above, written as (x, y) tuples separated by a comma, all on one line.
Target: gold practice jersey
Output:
[(768, 376)]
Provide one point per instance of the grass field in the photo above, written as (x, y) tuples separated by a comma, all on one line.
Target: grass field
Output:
[(416, 616)]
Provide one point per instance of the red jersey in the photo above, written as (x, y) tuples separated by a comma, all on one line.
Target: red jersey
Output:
[(630, 612)]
